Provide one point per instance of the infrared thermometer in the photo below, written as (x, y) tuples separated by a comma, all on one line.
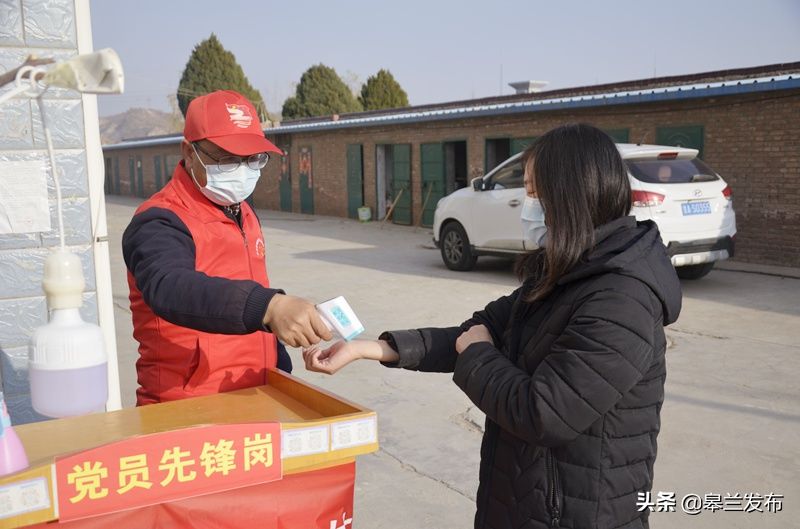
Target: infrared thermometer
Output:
[(339, 317)]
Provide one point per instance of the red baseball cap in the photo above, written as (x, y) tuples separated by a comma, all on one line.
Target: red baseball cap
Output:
[(228, 120)]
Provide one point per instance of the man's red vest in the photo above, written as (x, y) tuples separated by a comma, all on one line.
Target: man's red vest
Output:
[(177, 362)]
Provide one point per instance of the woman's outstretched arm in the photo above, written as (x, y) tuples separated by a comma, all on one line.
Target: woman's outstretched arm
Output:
[(431, 349)]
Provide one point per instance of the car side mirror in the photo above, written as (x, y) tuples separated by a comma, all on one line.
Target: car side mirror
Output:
[(478, 184)]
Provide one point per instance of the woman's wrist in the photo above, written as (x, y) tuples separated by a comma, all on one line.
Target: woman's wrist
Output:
[(379, 350), (388, 354)]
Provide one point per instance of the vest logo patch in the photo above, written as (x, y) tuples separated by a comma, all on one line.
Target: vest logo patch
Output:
[(260, 250)]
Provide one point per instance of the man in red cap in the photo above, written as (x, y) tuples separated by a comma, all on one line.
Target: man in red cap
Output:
[(203, 312)]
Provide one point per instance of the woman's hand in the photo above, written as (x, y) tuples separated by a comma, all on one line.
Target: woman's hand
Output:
[(475, 334), (340, 354)]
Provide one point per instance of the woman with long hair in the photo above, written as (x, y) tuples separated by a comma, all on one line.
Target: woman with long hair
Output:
[(569, 368)]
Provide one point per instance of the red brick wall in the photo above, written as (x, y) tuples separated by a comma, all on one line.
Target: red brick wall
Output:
[(753, 141)]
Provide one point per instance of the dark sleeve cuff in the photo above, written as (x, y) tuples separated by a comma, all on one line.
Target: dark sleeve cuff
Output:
[(478, 320), (255, 307), (284, 360), (409, 346), (466, 364)]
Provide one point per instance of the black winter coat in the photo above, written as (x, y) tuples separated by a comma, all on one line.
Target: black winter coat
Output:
[(572, 389)]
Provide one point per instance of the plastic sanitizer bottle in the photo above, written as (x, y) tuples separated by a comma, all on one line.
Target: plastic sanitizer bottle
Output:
[(68, 362), (12, 454)]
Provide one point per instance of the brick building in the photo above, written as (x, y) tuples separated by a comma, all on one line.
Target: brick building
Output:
[(746, 124)]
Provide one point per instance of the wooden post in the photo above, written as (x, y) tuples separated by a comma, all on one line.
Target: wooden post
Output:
[(424, 203), (391, 208)]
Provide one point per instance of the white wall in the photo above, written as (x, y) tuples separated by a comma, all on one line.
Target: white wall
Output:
[(58, 29)]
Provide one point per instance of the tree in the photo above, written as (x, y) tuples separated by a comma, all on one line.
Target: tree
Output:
[(321, 92), (382, 91), (211, 67)]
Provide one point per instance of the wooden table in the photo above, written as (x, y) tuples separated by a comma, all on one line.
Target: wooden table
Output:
[(308, 482)]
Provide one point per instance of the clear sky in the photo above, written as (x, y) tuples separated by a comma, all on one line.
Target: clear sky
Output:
[(441, 50)]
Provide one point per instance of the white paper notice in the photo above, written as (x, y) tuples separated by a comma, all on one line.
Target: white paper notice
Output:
[(23, 197)]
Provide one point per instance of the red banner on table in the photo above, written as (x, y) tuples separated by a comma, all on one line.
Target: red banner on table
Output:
[(167, 466), (319, 499)]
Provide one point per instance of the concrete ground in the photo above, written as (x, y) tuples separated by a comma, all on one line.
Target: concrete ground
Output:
[(730, 423)]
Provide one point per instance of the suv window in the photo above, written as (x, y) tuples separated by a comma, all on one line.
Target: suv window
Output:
[(671, 171), (508, 177)]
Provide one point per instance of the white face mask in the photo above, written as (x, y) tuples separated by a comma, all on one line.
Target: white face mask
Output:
[(227, 188), (532, 216)]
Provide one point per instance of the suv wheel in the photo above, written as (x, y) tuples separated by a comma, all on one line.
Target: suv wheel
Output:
[(694, 271), (456, 251)]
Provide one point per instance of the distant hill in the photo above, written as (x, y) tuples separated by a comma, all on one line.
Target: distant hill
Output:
[(137, 123)]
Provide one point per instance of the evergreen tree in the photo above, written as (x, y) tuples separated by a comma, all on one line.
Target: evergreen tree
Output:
[(382, 91), (321, 92), (211, 67)]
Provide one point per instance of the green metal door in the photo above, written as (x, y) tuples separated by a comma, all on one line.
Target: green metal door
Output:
[(493, 159), (139, 177), (401, 183), (117, 187), (286, 184), (520, 144), (170, 163), (433, 181), (355, 180), (108, 180), (306, 182), (132, 174), (618, 135), (158, 172), (690, 136)]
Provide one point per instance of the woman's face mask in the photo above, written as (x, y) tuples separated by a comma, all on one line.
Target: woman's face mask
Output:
[(532, 216), (227, 188)]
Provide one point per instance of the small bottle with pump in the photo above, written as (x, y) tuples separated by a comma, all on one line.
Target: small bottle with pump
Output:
[(12, 454), (68, 363)]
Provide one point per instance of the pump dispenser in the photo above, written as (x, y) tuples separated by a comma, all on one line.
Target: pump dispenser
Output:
[(68, 363)]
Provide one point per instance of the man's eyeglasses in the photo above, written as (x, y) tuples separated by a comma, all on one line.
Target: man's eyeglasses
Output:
[(229, 163)]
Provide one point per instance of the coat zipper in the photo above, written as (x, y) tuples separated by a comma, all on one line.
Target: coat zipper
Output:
[(247, 253), (554, 490), (240, 227), (250, 267), (493, 430)]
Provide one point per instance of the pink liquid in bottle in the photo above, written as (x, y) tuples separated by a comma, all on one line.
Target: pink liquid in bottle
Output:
[(12, 454)]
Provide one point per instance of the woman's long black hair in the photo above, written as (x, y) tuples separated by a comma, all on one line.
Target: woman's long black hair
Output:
[(582, 184)]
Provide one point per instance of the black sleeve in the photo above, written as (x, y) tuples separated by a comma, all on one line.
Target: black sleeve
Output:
[(160, 253), (284, 360), (603, 352), (434, 349), (431, 350), (495, 316)]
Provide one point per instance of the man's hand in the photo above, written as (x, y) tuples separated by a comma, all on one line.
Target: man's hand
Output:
[(475, 334), (295, 321)]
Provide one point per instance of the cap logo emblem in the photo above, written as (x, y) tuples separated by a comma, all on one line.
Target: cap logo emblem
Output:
[(240, 115)]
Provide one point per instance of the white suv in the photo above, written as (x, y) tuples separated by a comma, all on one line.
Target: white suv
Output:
[(692, 205)]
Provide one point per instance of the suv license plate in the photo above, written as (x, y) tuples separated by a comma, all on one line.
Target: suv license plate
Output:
[(696, 208)]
